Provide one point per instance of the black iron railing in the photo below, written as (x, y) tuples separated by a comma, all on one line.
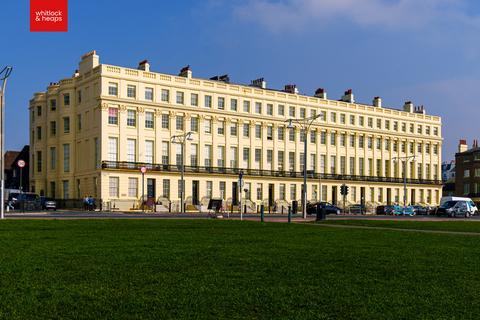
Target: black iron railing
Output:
[(135, 166)]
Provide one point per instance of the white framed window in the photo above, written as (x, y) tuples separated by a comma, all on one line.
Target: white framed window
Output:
[(194, 99), (131, 150), (149, 120), (131, 91), (149, 94), (113, 183), (165, 95), (66, 157), (149, 151), (113, 89), (112, 149), (131, 118), (133, 187), (180, 97)]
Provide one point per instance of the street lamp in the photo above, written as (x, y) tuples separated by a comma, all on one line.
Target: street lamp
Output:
[(181, 139), (4, 74), (304, 124), (405, 161)]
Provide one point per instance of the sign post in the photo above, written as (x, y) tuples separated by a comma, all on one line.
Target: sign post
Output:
[(21, 164), (143, 169), (240, 186)]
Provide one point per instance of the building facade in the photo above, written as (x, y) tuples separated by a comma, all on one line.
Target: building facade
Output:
[(467, 171), (16, 177), (91, 133)]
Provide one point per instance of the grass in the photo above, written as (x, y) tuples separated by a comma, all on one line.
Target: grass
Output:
[(456, 226), (207, 269)]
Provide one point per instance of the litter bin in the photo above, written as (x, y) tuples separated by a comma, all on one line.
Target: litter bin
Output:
[(321, 213), (294, 206)]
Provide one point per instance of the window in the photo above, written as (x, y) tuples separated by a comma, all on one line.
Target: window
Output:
[(194, 154), (178, 154), (131, 118), (194, 99), (281, 156), (39, 133), (352, 140), (333, 138), (39, 111), (149, 94), (246, 157), (221, 103), (39, 161), (208, 155), (258, 107), (53, 104), (281, 133), (131, 91), (466, 173), (208, 101), (208, 126), (180, 97), (269, 132), (342, 118), (333, 164), (293, 192), (79, 122), (179, 122), (97, 152), (343, 165), (352, 120), (333, 117), (370, 142), (270, 109), (435, 131), (165, 121), (466, 188), (246, 106), (112, 89), (209, 189), (66, 193), (246, 130), (395, 125), (66, 125), (112, 149), (404, 129), (112, 115), (419, 129), (361, 121), (323, 137), (282, 191), (419, 148), (258, 131), (291, 134), (323, 115), (233, 157), (258, 158), (379, 144), (343, 139), (165, 95), (113, 186), (259, 191), (313, 136), (194, 124), (166, 188), (352, 166), (379, 123), (412, 147), (361, 166), (370, 122), (233, 104), (427, 148), (53, 158), (222, 187), (165, 152), (291, 111), (221, 156), (221, 127), (234, 129), (387, 124), (149, 120), (66, 157), (131, 150), (360, 142), (132, 187), (435, 149), (281, 110), (66, 99)]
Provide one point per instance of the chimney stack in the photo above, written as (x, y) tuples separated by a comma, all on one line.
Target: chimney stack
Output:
[(408, 106), (291, 88), (144, 65), (420, 109), (186, 72), (462, 145), (225, 78), (475, 143), (377, 102), (89, 61), (321, 93), (348, 96), (259, 83)]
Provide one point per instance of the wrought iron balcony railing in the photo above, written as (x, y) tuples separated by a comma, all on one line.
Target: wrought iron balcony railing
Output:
[(133, 166)]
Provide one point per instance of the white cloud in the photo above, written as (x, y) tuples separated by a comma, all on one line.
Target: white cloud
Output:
[(393, 14)]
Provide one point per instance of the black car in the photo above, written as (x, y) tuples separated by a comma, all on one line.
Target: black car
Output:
[(329, 208), (25, 201), (384, 210), (357, 209), (421, 210)]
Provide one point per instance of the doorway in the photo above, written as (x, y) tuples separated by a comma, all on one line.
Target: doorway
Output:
[(271, 195), (334, 195), (195, 191), (151, 192), (234, 193), (389, 196)]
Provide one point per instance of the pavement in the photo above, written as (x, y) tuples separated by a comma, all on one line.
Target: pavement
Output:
[(80, 214)]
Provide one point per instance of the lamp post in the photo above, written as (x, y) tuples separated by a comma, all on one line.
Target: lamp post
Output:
[(405, 161), (4, 74), (304, 124), (182, 139)]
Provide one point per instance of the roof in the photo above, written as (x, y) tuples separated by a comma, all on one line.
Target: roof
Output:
[(9, 158)]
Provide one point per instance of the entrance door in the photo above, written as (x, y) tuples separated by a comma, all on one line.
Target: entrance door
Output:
[(271, 195), (412, 197), (334, 195), (151, 192), (389, 196), (362, 197), (234, 193), (195, 190)]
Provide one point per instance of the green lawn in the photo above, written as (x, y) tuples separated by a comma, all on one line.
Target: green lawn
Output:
[(197, 269)]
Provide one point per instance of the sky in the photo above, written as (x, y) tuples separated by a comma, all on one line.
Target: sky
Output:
[(425, 51)]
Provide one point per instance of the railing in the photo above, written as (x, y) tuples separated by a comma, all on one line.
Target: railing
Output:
[(135, 166)]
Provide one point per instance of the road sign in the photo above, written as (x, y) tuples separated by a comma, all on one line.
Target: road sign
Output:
[(21, 163), (143, 169)]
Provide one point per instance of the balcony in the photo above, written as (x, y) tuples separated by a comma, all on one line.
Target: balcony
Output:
[(135, 166)]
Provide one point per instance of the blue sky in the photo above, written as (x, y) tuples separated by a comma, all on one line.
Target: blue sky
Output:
[(425, 51)]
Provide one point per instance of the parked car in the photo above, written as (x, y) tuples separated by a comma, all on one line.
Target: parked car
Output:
[(329, 208), (455, 208), (357, 209), (384, 210), (421, 210), (25, 201), (48, 203), (406, 211)]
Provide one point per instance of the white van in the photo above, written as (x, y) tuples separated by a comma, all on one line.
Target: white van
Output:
[(453, 206)]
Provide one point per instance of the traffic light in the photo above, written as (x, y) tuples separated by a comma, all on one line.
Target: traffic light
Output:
[(344, 190)]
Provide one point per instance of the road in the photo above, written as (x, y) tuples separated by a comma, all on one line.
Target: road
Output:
[(72, 214)]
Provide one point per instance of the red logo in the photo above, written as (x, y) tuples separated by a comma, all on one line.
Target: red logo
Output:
[(48, 15)]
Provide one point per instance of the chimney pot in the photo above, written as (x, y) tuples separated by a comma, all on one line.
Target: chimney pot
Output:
[(348, 96), (144, 65), (321, 93), (186, 72), (377, 102)]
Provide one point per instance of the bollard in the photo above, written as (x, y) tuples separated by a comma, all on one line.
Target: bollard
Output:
[(262, 209), (170, 207)]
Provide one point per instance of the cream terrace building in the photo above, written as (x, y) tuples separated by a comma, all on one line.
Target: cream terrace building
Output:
[(91, 133)]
